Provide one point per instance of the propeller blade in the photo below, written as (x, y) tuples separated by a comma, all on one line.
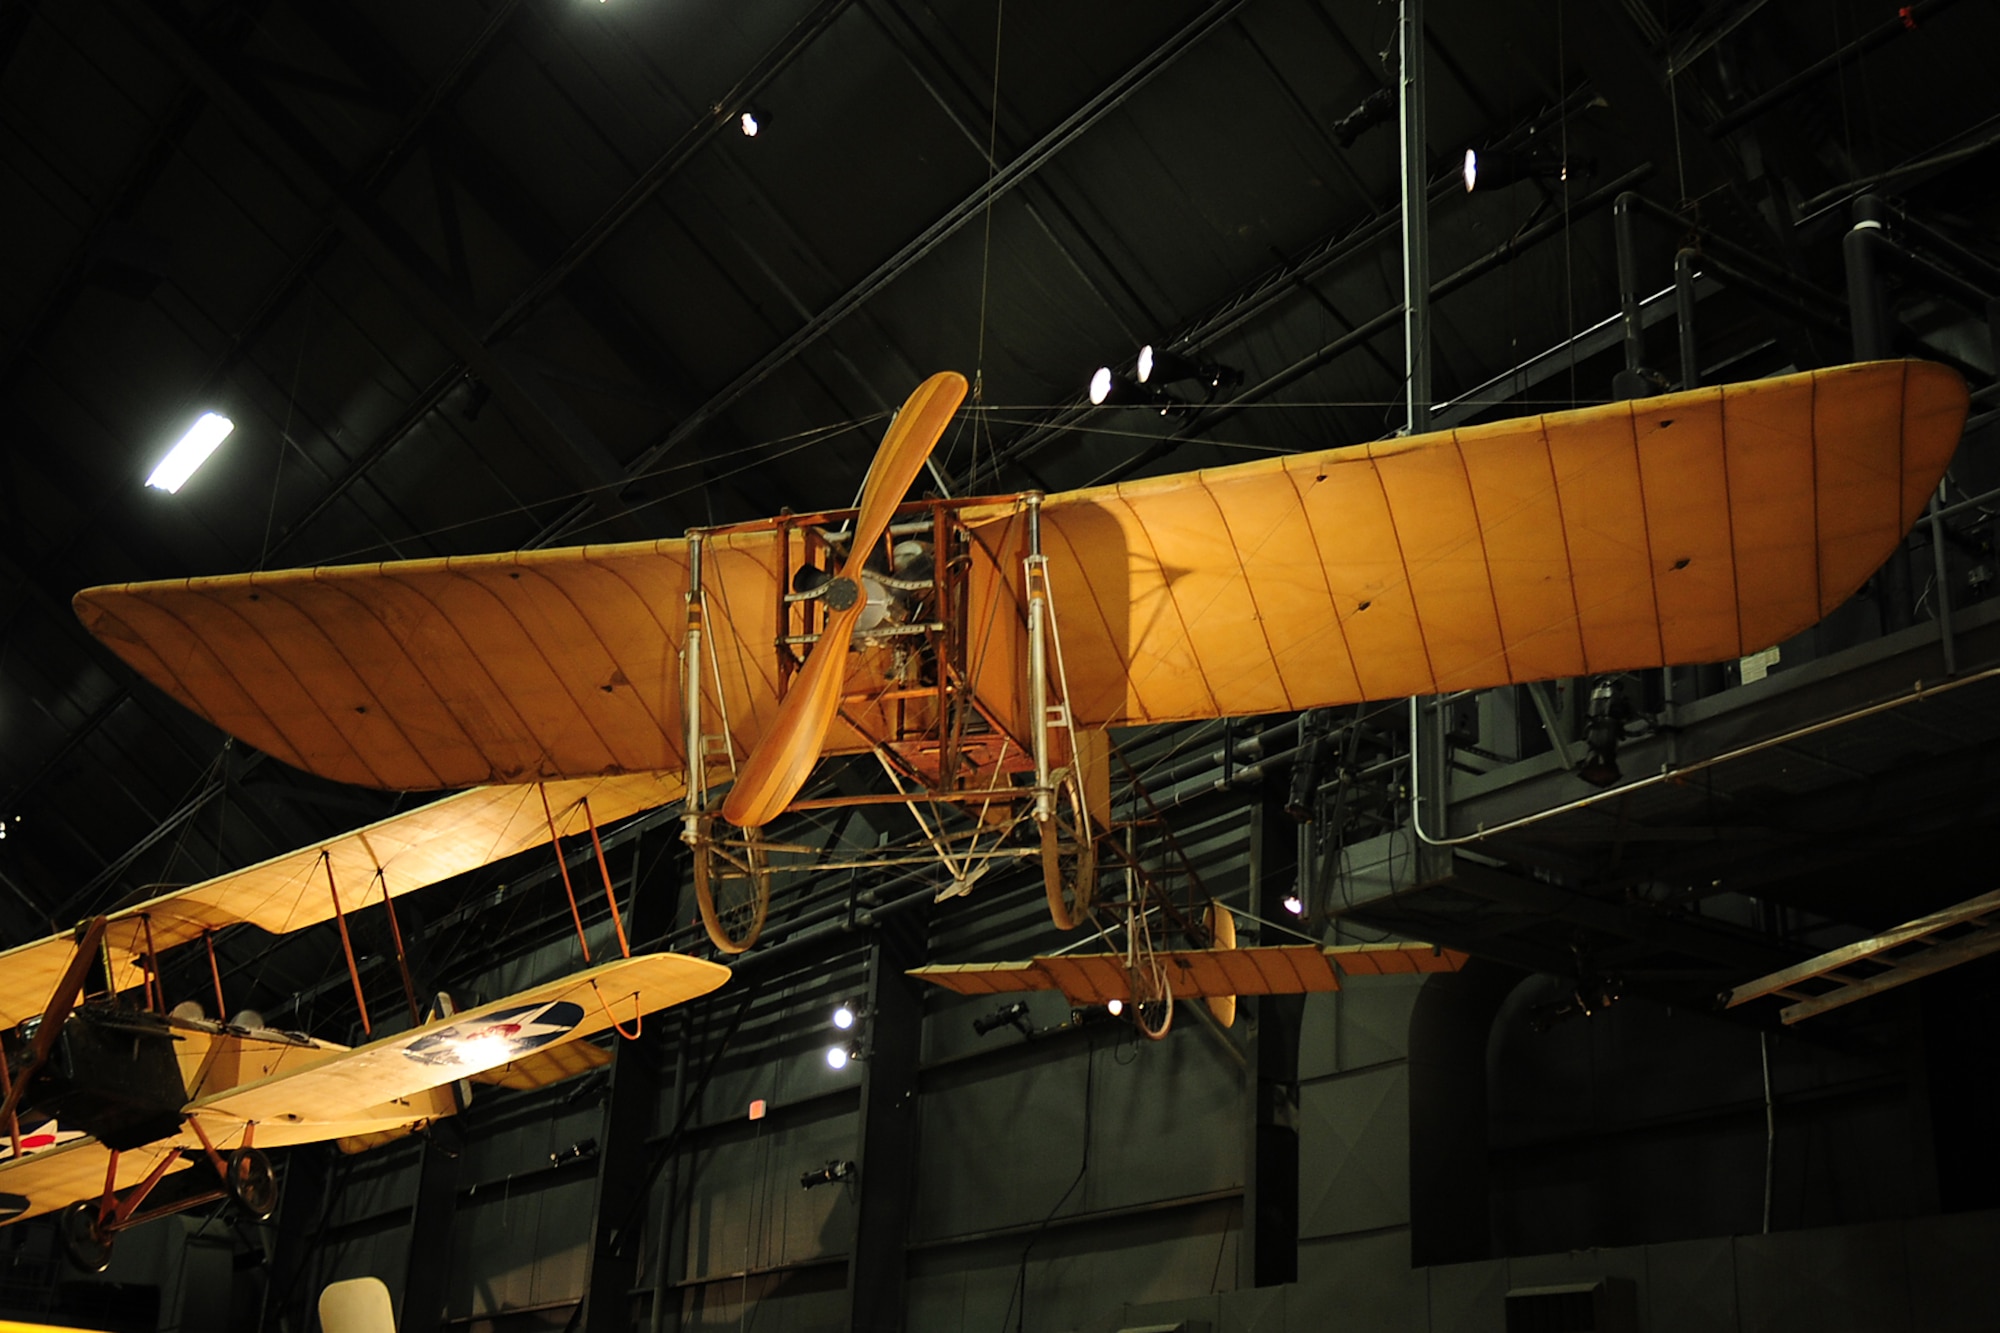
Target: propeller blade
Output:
[(56, 1012), (912, 436), (784, 758)]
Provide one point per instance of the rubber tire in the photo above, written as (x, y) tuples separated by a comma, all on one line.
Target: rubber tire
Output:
[(252, 1183), (84, 1243), (1069, 858), (1152, 998), (731, 927)]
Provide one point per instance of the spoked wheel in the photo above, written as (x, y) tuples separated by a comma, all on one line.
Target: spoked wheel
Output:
[(1152, 996), (732, 882), (1069, 856), (85, 1242), (252, 1183)]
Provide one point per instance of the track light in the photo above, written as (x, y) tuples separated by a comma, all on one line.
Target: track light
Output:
[(1494, 167), (835, 1170), (1158, 366), (1110, 389), (1013, 1015), (1378, 108), (208, 431)]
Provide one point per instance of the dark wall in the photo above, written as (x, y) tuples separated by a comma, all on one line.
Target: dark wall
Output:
[(1643, 1124)]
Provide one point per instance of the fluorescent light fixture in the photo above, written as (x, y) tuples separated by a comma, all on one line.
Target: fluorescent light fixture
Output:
[(193, 450)]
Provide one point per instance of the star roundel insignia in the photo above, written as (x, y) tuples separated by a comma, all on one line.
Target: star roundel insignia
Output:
[(497, 1038)]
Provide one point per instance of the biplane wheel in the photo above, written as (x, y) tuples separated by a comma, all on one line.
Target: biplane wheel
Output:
[(1069, 857), (1152, 998), (252, 1182), (732, 883), (85, 1242)]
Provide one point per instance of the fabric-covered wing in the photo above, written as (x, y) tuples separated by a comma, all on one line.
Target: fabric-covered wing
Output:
[(1688, 528), (44, 1181), (428, 674), (1290, 969), (404, 852), (373, 1082)]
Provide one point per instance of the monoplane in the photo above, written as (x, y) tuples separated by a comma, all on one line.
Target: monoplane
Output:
[(107, 1088), (924, 634)]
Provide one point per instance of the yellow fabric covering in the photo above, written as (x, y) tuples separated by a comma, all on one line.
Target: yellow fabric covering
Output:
[(1688, 528)]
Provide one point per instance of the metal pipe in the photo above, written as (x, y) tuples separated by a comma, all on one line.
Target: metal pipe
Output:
[(1684, 297), (1416, 217), (1675, 772), (1632, 382), (1770, 1125), (1864, 285)]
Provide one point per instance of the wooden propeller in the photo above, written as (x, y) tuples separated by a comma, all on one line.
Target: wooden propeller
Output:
[(55, 1013), (784, 758)]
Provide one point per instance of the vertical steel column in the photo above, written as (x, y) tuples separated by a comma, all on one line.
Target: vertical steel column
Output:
[(1269, 1248), (432, 1217), (624, 1173), (887, 1135), (1631, 381), (1416, 215), (664, 1267)]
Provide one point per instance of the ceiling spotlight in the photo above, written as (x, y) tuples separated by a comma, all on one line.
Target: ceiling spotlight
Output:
[(1114, 1007), (210, 430), (1498, 166), (1295, 904), (838, 1056), (846, 1016), (1110, 389), (752, 122), (1158, 366)]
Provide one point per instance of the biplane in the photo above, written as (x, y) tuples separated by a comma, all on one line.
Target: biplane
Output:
[(106, 1088), (977, 649)]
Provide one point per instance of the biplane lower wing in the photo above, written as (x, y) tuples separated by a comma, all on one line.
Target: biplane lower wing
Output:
[(383, 1083), (1287, 969), (1692, 527), (43, 1181)]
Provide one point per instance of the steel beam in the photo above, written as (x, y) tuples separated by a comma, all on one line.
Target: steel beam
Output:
[(886, 1185)]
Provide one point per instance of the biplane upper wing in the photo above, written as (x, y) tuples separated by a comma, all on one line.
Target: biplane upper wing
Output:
[(42, 1181), (1286, 969), (378, 1082), (1687, 528), (403, 852)]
